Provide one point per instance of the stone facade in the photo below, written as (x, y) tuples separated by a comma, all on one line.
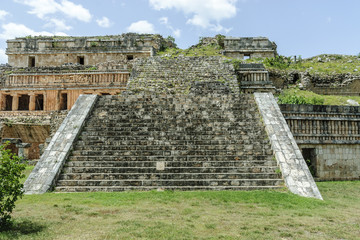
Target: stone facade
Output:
[(248, 47), (56, 51), (329, 138), (51, 91), (253, 78)]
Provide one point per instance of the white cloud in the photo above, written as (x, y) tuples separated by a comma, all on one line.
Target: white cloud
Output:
[(203, 13), (141, 27), (59, 25), (104, 22), (42, 8), (73, 10), (3, 14), (165, 21), (3, 56), (13, 30)]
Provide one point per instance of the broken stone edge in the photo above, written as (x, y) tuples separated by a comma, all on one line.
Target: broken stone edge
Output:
[(48, 169), (294, 169)]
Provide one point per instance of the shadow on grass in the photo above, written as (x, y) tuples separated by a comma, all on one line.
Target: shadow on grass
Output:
[(19, 228)]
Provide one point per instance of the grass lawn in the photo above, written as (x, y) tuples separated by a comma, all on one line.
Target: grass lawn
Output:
[(190, 215)]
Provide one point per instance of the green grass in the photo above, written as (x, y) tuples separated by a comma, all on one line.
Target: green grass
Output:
[(190, 215), (325, 64), (209, 50), (27, 171), (328, 99)]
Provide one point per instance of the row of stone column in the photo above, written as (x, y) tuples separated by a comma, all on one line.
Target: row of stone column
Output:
[(255, 77), (328, 127)]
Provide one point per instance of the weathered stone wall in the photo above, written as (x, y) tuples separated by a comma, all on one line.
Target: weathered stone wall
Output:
[(178, 75), (55, 51), (329, 137), (51, 91), (33, 128), (58, 59), (258, 47), (334, 84)]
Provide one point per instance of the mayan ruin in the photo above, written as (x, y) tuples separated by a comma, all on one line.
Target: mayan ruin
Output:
[(206, 105)]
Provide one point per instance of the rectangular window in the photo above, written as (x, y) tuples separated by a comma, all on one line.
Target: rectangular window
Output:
[(8, 102), (24, 101), (31, 62), (81, 60), (309, 155), (63, 101), (39, 102)]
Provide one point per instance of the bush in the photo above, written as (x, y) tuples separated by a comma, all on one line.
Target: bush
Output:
[(279, 62), (11, 170)]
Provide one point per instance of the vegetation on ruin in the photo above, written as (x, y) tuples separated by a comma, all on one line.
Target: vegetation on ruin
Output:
[(208, 50), (200, 49), (190, 215), (11, 170), (297, 96), (325, 64)]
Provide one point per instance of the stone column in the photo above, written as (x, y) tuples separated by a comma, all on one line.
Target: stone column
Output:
[(2, 101), (15, 102), (32, 102)]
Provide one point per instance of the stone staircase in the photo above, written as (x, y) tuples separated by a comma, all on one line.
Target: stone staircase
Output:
[(173, 142)]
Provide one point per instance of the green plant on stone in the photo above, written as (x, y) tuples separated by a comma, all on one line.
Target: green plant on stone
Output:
[(11, 172)]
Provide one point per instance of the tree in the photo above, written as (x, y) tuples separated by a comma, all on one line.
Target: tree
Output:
[(11, 170)]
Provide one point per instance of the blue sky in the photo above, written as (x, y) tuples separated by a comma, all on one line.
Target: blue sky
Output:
[(299, 27)]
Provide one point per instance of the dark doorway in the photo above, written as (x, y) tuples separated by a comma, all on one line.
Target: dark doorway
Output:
[(130, 57), (309, 155), (31, 61), (39, 102), (81, 60), (63, 101), (24, 101), (8, 102)]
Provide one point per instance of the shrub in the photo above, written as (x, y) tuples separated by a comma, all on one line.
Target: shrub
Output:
[(280, 62), (11, 170)]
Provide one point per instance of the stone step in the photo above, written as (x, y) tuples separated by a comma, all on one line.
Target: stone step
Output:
[(161, 153), (169, 170), (166, 176), (172, 182), (92, 162), (170, 188), (148, 136), (172, 158), (123, 147), (164, 141)]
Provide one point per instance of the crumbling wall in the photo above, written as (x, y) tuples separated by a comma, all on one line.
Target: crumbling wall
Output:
[(345, 84)]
